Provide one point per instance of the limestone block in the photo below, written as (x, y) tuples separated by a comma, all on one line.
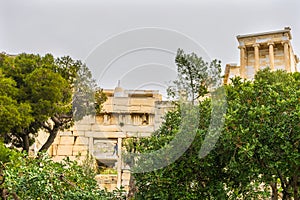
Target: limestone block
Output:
[(138, 109), (114, 179), (125, 182), (97, 134), (82, 141), (126, 175), (80, 150), (98, 178), (56, 140), (66, 140), (89, 133), (126, 188), (78, 133), (120, 101), (64, 150), (69, 133), (83, 127), (105, 128), (54, 149), (81, 153), (107, 107), (113, 186), (95, 127), (100, 119), (112, 128), (159, 112), (140, 129), (142, 101), (119, 108)]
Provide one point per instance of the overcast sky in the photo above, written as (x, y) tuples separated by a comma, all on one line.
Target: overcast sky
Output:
[(136, 40)]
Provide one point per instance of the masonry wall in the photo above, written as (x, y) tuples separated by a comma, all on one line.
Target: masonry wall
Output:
[(122, 118)]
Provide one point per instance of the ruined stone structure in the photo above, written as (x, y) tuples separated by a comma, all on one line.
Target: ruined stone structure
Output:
[(257, 51), (137, 113), (125, 114)]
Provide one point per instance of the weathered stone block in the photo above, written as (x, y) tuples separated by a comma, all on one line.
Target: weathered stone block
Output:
[(82, 141), (54, 149), (66, 140), (143, 101), (69, 133), (64, 150), (105, 128), (97, 134), (125, 182), (78, 133), (80, 150), (111, 128), (126, 175), (140, 129), (81, 153), (83, 127), (113, 187), (56, 140)]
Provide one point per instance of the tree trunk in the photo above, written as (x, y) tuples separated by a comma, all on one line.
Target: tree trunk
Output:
[(286, 194), (60, 122), (285, 184), (52, 133), (132, 187), (50, 140), (4, 194), (25, 139), (296, 187), (274, 191)]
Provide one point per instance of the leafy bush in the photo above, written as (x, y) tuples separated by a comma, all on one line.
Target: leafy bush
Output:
[(32, 178)]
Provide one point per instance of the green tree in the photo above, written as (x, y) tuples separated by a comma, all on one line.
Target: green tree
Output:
[(195, 76), (188, 177), (50, 89), (263, 132), (256, 156), (13, 114)]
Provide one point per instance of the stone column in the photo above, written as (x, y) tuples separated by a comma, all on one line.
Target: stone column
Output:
[(286, 56), (256, 57), (119, 164), (242, 61), (271, 55)]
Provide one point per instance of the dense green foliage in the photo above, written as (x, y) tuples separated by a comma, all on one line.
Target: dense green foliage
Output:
[(31, 178), (256, 156), (12, 113), (41, 92), (263, 133)]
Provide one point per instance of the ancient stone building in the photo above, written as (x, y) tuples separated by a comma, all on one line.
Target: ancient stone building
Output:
[(137, 113), (257, 51), (125, 114)]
